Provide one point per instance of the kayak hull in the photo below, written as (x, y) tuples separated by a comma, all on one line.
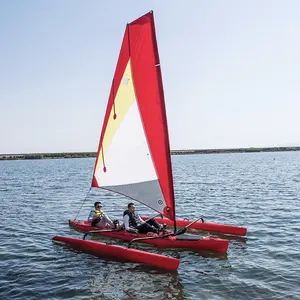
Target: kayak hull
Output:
[(133, 255), (207, 226), (185, 241)]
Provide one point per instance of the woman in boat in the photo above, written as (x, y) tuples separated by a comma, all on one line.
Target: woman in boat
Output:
[(134, 223), (98, 218)]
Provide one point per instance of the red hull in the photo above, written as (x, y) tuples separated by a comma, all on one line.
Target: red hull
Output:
[(205, 243), (212, 227), (156, 260)]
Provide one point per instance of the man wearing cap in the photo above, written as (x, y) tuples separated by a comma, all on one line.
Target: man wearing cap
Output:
[(98, 218)]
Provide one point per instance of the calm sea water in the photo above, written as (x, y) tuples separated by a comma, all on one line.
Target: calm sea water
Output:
[(260, 191)]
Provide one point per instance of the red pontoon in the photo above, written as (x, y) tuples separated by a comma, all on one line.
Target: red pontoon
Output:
[(134, 255)]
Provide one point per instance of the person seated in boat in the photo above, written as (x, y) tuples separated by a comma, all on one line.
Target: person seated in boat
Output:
[(134, 223), (99, 219)]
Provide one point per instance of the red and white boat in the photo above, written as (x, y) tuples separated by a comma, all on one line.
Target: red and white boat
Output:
[(133, 157)]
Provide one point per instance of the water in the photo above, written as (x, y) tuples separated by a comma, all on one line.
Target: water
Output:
[(257, 190)]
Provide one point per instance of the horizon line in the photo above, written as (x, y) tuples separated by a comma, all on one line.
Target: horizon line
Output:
[(248, 149)]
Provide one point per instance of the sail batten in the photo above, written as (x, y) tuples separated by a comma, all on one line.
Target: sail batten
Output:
[(134, 142)]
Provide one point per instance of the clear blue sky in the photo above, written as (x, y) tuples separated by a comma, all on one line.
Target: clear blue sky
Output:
[(231, 71)]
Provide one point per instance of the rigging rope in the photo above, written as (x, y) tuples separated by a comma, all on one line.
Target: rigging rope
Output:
[(83, 202)]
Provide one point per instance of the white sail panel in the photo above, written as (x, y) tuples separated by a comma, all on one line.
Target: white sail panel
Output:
[(127, 158)]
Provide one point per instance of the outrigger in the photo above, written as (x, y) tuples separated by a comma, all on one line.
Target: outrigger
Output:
[(133, 157), (133, 255), (201, 224)]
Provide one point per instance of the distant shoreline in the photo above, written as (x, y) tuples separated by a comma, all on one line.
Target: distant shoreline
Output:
[(173, 152)]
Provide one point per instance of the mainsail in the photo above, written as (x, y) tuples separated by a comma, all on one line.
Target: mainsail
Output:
[(133, 157)]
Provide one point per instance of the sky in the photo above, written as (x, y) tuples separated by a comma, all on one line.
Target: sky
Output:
[(231, 71)]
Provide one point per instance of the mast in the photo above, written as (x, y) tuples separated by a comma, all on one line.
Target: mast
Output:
[(162, 97)]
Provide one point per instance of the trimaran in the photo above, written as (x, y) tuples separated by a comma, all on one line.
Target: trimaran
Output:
[(133, 157)]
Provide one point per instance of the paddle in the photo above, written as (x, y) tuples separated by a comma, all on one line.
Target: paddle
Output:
[(149, 238), (96, 231)]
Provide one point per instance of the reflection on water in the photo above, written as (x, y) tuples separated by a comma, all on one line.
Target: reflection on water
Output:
[(137, 282)]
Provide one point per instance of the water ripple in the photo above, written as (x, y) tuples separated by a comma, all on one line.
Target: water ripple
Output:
[(257, 190)]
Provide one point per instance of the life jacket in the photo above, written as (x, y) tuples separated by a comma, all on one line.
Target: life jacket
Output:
[(134, 219), (98, 215)]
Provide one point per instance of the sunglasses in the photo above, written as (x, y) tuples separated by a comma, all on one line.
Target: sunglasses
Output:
[(99, 206)]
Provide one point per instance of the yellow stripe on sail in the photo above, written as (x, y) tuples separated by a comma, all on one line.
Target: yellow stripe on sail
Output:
[(124, 98)]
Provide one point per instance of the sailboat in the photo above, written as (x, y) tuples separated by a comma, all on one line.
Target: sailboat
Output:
[(133, 157)]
